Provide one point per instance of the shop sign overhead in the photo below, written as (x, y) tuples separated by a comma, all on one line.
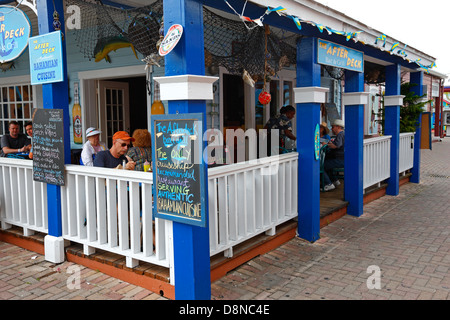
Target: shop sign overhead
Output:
[(332, 54), (15, 30)]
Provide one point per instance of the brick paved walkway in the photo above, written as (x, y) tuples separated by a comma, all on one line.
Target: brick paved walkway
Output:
[(406, 237), (25, 275)]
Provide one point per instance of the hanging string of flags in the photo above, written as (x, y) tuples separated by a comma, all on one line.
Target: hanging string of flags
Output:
[(380, 42)]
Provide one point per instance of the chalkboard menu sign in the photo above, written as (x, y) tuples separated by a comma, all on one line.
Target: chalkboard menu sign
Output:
[(178, 168), (48, 146)]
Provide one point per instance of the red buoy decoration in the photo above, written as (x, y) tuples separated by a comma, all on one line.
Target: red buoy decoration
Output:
[(264, 98)]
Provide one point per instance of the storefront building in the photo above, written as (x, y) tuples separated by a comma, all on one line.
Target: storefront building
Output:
[(302, 53)]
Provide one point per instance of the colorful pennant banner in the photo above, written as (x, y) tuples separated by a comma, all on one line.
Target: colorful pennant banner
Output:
[(348, 35)]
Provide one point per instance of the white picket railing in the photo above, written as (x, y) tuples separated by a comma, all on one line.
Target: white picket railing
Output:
[(406, 157), (247, 199), (23, 202), (111, 209), (377, 164)]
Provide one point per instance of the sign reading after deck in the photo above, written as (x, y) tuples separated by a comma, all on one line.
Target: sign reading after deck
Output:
[(335, 55), (178, 169), (48, 146)]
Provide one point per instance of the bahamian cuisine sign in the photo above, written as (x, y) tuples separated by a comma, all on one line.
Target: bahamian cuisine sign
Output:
[(178, 169), (46, 62), (15, 30), (335, 55)]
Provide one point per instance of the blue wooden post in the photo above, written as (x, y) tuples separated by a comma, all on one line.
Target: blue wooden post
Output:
[(308, 116), (191, 244), (392, 126), (354, 144), (417, 78), (55, 96)]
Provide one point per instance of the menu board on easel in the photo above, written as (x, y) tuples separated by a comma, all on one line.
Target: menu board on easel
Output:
[(48, 146), (178, 169)]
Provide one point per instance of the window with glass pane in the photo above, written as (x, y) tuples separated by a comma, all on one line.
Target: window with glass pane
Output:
[(16, 105), (115, 112)]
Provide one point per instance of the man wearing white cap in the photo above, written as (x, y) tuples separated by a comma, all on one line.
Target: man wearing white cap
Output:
[(335, 156), (92, 146)]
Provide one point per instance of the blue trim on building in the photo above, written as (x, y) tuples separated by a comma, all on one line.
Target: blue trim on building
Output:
[(191, 243), (55, 96), (392, 127), (354, 147), (308, 116)]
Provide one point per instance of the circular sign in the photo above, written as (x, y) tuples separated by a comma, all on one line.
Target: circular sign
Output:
[(171, 39), (15, 30), (317, 143)]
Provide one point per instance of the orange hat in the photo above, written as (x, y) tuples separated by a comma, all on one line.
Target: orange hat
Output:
[(122, 135)]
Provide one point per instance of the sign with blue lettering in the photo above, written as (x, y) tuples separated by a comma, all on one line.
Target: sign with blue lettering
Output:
[(335, 55), (15, 30), (178, 168), (46, 62)]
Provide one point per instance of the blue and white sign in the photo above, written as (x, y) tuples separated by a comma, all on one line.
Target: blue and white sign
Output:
[(46, 62), (15, 30), (335, 55)]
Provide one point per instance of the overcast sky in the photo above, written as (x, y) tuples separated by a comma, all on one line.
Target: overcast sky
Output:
[(424, 25)]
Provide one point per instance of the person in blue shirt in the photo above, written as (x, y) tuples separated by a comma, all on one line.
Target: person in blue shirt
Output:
[(335, 156), (115, 157)]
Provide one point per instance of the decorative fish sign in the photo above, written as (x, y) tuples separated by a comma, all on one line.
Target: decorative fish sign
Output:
[(105, 46)]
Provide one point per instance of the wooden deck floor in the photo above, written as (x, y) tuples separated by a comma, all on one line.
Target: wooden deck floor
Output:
[(332, 201)]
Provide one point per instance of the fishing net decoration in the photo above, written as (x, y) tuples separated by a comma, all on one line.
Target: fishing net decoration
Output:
[(231, 44), (101, 24), (228, 43)]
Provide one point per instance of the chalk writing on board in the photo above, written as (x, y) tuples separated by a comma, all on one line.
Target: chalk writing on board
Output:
[(48, 146), (178, 168)]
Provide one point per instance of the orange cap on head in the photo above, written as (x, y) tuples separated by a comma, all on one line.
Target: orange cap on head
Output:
[(122, 135)]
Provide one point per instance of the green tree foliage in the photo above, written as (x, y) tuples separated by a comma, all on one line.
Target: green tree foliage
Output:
[(412, 107)]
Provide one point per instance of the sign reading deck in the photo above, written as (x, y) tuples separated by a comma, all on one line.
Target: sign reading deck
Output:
[(178, 168), (48, 146), (15, 30), (46, 62), (335, 55)]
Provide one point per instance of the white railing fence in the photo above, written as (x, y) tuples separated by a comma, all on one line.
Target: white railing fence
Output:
[(377, 160), (247, 199), (406, 157), (111, 209), (23, 202)]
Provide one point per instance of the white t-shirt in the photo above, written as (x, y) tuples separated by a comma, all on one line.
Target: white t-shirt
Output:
[(88, 153)]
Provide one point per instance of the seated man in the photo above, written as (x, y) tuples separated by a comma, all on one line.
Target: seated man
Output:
[(335, 156), (15, 142), (115, 157)]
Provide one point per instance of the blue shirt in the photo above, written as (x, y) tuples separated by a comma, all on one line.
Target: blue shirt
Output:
[(106, 160)]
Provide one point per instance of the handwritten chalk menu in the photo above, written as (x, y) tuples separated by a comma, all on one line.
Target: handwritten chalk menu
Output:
[(178, 168), (48, 146)]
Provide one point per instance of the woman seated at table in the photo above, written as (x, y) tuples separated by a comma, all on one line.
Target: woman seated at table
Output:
[(92, 147), (141, 153), (324, 133)]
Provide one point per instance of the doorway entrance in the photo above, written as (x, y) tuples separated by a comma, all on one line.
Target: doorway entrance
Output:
[(122, 106), (233, 102)]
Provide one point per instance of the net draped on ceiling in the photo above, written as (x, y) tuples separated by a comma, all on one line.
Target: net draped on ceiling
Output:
[(228, 43), (102, 25)]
